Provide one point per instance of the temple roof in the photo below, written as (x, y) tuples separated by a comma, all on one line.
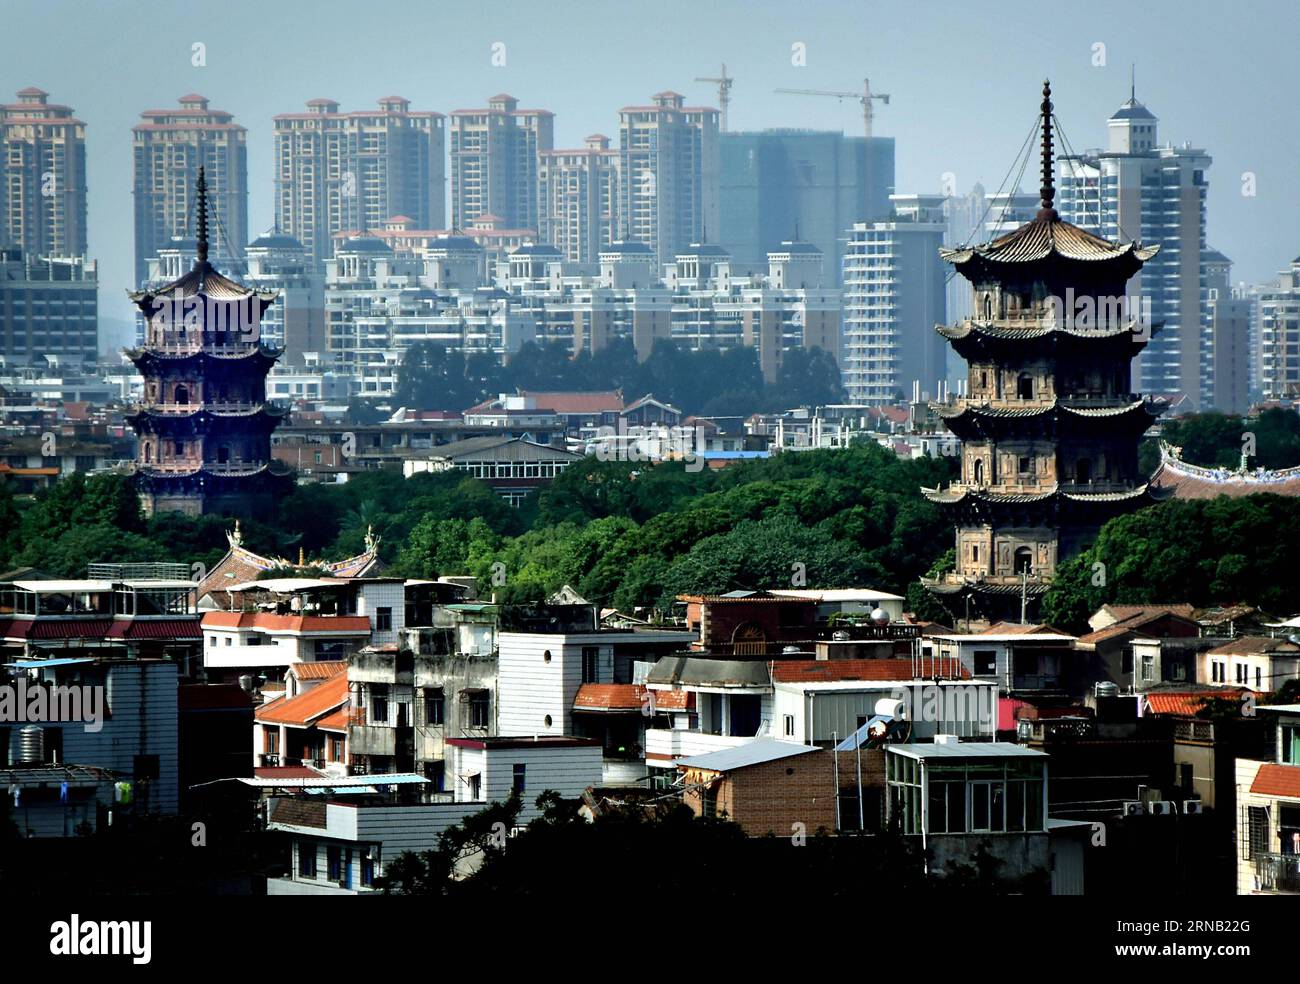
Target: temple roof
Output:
[(951, 496), (952, 411), (1048, 235), (1186, 481)]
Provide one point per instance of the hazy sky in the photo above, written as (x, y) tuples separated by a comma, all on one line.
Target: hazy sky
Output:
[(964, 79)]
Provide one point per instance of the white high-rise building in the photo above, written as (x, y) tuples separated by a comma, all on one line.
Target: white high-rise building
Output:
[(578, 198), (894, 295), (1138, 190), (338, 171), (1279, 337), (494, 155)]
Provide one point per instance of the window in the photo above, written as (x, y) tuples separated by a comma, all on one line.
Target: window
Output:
[(479, 708), (383, 620), (378, 703), (789, 725), (986, 662), (590, 664), (307, 860), (517, 780), (1024, 561), (334, 863), (367, 870), (1148, 668), (434, 705), (1217, 674), (336, 748), (1025, 465), (1257, 831), (1025, 386)]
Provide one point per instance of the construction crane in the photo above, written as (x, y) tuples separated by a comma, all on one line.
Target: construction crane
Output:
[(864, 97), (723, 82)]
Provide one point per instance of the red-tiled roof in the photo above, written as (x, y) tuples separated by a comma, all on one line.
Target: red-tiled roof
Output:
[(100, 628), (287, 623), (674, 700), (306, 708), (286, 772), (322, 670), (610, 697), (824, 670), (1277, 780), (1256, 646), (562, 402), (1186, 703), (1017, 628)]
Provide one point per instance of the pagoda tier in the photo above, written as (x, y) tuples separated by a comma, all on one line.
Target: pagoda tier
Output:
[(204, 424), (981, 341), (1048, 423), (1058, 419), (180, 361), (174, 419)]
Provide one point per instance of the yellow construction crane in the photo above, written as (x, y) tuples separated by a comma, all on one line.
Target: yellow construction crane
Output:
[(723, 82), (864, 97)]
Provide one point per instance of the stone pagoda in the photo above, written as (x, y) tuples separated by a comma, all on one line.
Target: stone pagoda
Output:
[(204, 426), (1048, 426)]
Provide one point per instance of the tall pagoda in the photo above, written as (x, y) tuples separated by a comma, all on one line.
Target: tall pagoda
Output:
[(1048, 426), (204, 426)]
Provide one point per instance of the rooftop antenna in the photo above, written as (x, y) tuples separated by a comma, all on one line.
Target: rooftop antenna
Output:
[(1132, 81), (202, 193), (1048, 191)]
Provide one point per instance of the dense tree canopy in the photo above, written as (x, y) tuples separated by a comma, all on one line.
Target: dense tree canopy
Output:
[(1214, 439), (709, 382), (1202, 551)]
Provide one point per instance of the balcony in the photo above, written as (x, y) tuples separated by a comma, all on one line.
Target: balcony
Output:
[(1277, 873), (663, 744)]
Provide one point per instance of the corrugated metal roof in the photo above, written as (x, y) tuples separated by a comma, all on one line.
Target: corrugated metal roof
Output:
[(754, 752), (968, 749)]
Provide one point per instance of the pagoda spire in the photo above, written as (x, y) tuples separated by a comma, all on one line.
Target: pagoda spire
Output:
[(202, 192), (1048, 191)]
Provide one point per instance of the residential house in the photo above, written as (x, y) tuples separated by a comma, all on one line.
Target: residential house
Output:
[(1268, 796)]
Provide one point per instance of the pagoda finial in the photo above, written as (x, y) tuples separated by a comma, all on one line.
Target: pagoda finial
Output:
[(1048, 191), (202, 192)]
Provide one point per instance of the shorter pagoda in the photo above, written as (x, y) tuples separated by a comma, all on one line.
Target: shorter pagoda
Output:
[(1049, 428), (204, 425)]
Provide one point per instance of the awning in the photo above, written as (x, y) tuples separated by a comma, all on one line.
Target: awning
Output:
[(37, 664)]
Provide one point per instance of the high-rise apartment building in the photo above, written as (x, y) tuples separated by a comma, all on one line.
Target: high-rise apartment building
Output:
[(336, 171), (1227, 348), (494, 156), (669, 169), (1279, 337), (170, 145), (778, 184), (1137, 190), (578, 198), (42, 177), (894, 295)]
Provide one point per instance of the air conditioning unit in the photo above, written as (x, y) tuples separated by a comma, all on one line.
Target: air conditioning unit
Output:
[(1161, 808), (1131, 808), (1192, 808)]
